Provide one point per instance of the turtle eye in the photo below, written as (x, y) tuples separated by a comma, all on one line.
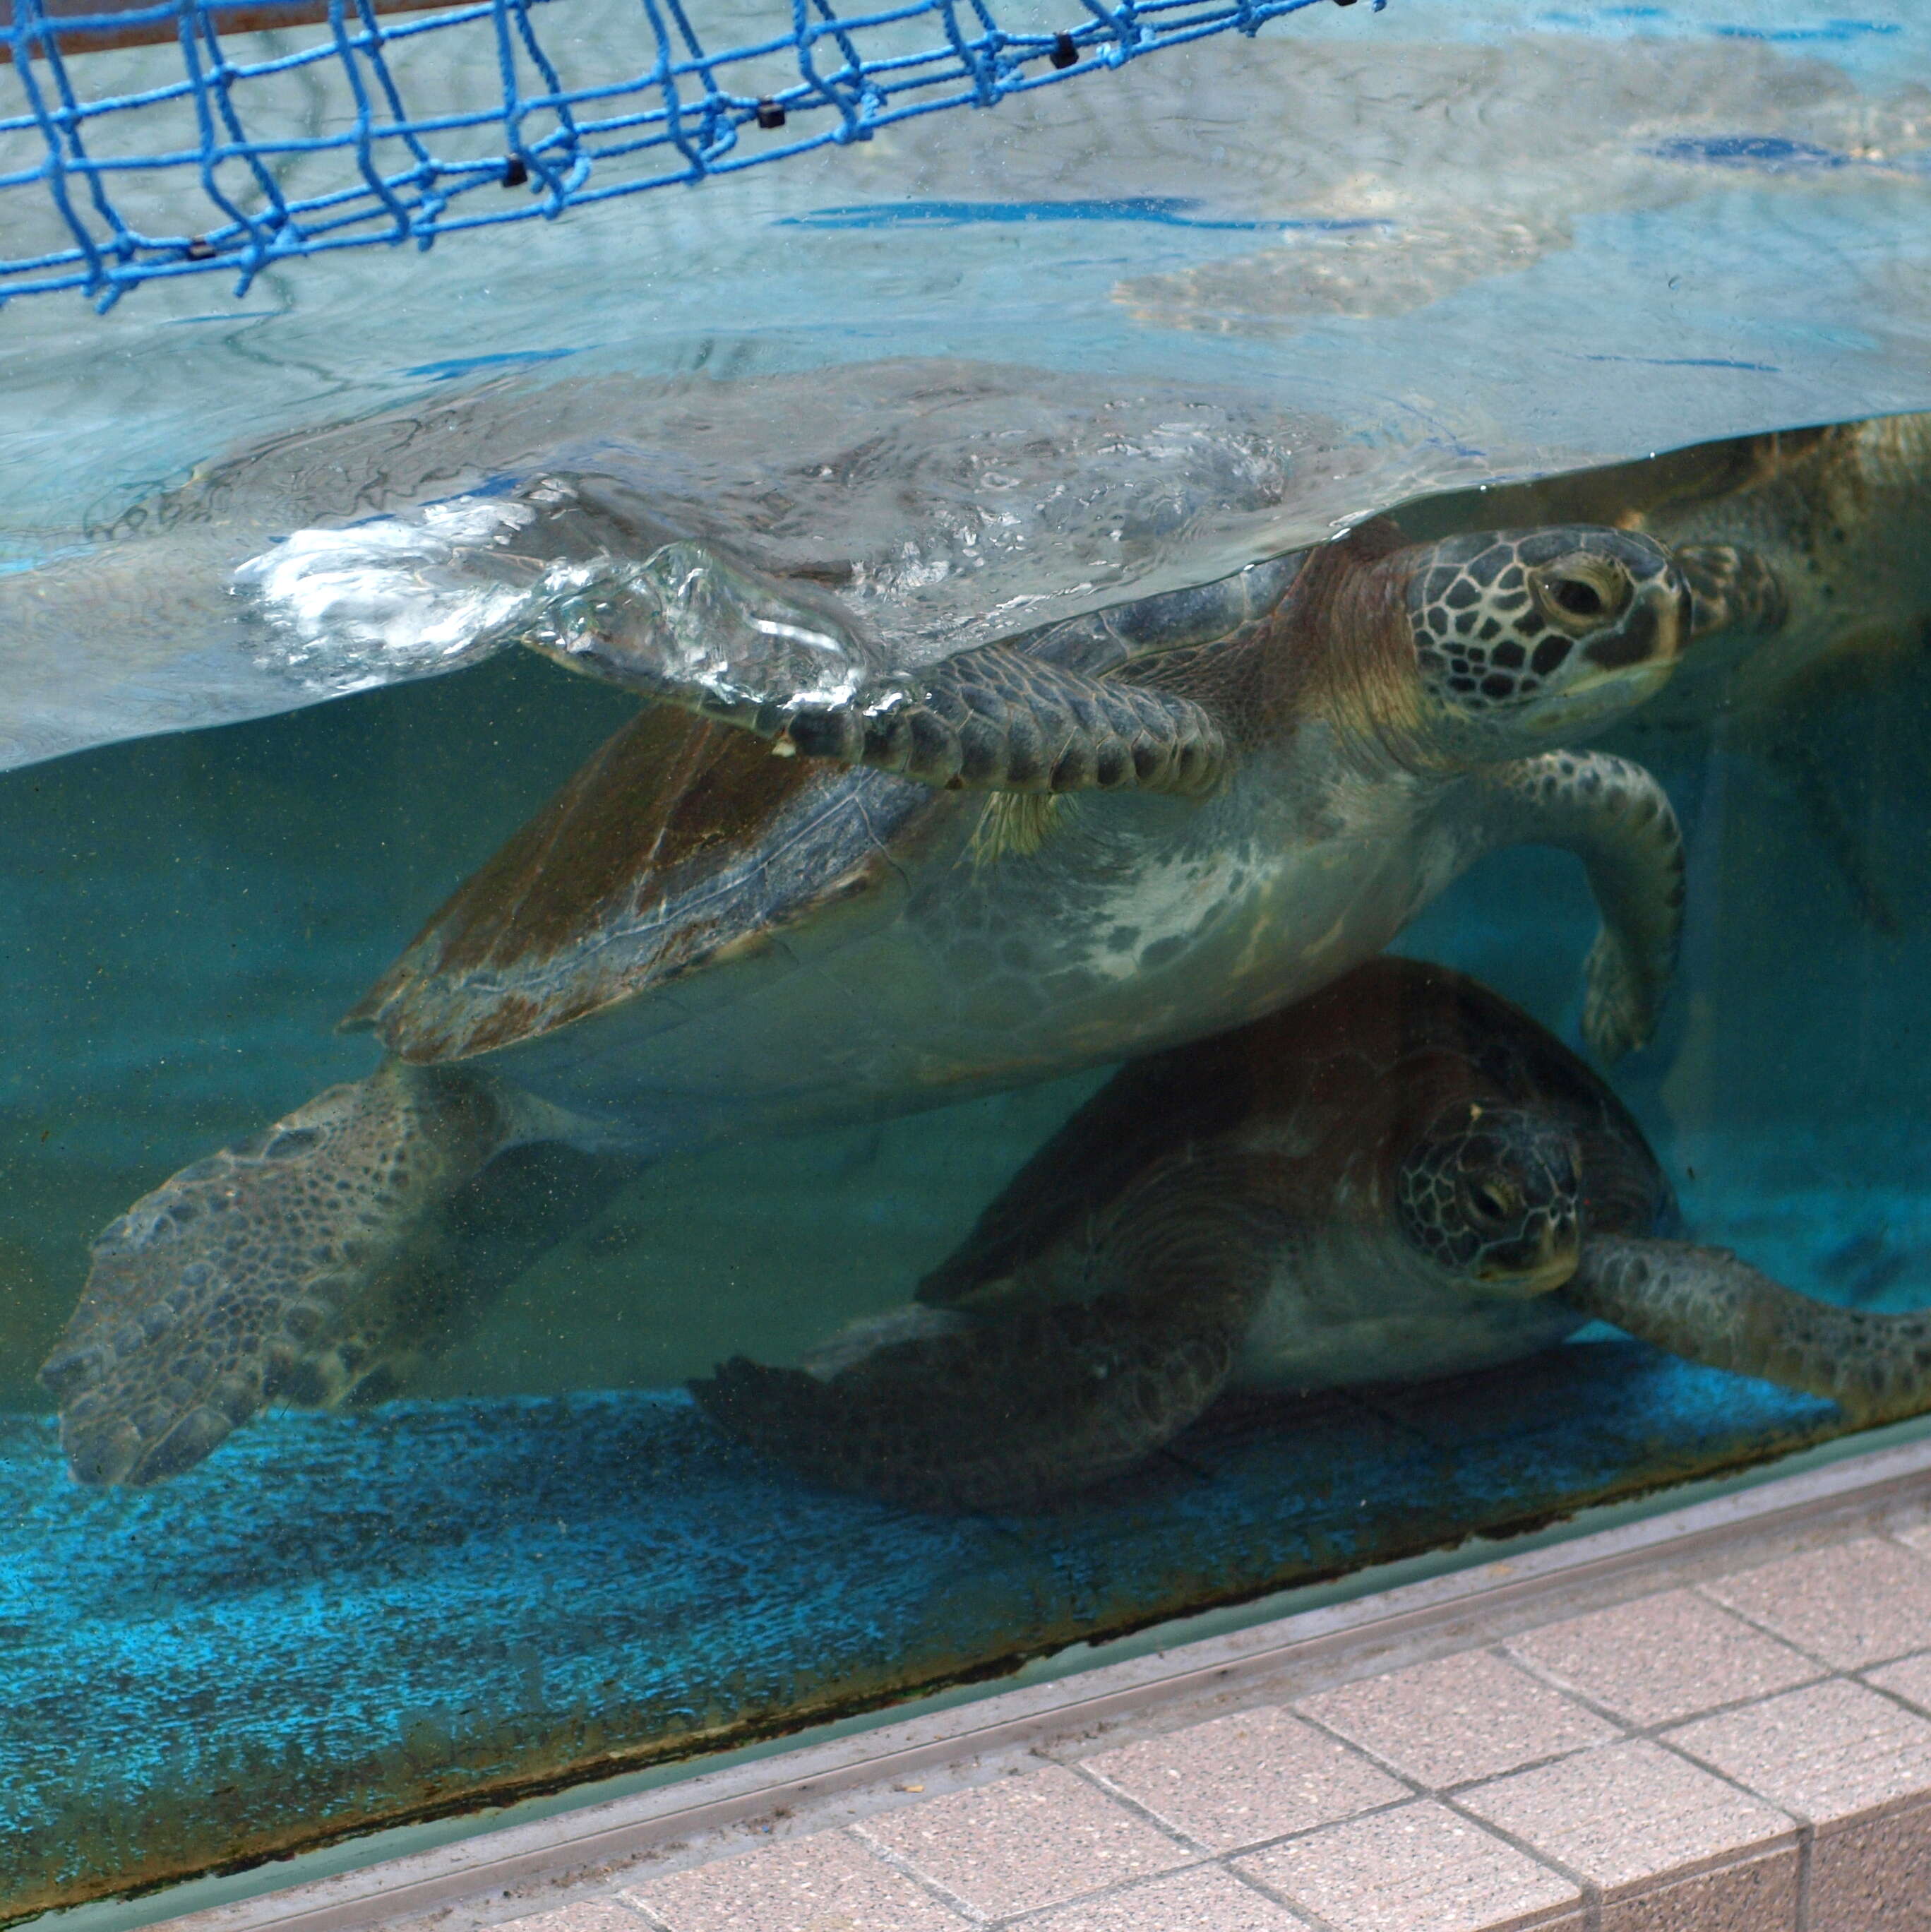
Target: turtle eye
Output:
[(1581, 592), (1492, 1202)]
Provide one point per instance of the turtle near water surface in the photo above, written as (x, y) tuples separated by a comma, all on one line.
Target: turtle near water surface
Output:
[(1402, 1177), (1808, 553), (1103, 837)]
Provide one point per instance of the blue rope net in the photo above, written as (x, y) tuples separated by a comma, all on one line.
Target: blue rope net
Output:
[(253, 152)]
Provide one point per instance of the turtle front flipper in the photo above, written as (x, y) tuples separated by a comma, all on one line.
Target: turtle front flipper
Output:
[(1619, 821), (280, 1267), (1014, 1410), (1706, 1306), (995, 719), (1731, 589)]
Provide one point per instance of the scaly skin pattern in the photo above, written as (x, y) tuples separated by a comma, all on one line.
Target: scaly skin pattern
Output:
[(253, 1272), (1619, 821), (1705, 1304), (997, 720)]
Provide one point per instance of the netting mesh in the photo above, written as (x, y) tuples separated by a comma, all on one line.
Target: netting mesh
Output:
[(253, 150)]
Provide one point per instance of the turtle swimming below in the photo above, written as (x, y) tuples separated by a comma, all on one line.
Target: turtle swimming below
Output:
[(1402, 1177)]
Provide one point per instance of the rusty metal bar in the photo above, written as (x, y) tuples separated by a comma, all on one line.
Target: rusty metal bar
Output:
[(233, 17)]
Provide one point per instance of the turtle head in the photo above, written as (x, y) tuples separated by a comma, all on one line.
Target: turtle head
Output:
[(1525, 637), (1491, 1197)]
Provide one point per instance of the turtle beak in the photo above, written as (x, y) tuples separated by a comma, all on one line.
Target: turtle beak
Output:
[(1537, 1266)]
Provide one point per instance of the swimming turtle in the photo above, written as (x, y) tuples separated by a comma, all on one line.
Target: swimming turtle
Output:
[(1251, 788), (1806, 552), (1403, 1176)]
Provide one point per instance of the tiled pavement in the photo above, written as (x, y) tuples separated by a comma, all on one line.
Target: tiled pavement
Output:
[(1749, 1752)]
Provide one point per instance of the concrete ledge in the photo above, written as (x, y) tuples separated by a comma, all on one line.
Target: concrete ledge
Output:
[(1717, 1717)]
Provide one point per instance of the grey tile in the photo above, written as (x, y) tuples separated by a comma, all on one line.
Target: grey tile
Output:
[(1825, 1753), (1663, 1658), (1759, 1895), (1023, 1843), (1462, 1717), (1207, 1899), (1855, 1603), (1873, 1877), (1243, 1779), (587, 1915), (1909, 1678), (1628, 1815), (1418, 1868), (824, 1883)]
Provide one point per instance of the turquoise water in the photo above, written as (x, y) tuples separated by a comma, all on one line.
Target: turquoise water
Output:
[(262, 710)]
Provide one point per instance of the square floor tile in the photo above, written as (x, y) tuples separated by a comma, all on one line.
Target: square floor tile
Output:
[(1758, 1896), (1418, 1868), (587, 1914), (1909, 1678), (824, 1883), (1462, 1717), (1243, 1779), (1207, 1899), (1663, 1658), (1825, 1753), (1626, 1815), (1855, 1603), (1022, 1843), (1873, 1877)]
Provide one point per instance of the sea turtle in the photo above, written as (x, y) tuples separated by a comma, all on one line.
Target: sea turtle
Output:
[(1402, 1177), (1809, 551), (696, 939)]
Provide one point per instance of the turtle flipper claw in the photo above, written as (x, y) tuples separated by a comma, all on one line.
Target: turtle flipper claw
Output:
[(248, 1276)]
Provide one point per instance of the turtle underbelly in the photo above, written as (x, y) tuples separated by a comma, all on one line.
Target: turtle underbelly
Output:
[(1339, 1320), (1407, 1348), (1145, 923)]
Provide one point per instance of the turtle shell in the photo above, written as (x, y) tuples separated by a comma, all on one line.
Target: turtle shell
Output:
[(1628, 495), (683, 843), (1378, 1053)]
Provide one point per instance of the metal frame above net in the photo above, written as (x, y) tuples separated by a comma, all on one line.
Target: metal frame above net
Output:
[(207, 170)]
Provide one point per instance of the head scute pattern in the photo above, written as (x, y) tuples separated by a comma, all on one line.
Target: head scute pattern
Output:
[(1491, 1195), (1496, 616)]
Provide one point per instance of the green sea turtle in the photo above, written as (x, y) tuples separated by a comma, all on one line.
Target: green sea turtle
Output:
[(1807, 552), (1256, 786), (1402, 1177)]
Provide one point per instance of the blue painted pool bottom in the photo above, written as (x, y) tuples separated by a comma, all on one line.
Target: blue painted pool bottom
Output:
[(340, 1625)]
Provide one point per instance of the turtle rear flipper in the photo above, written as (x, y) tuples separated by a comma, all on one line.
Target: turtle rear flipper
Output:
[(1008, 1413), (1013, 1410), (1706, 1306), (269, 1269)]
